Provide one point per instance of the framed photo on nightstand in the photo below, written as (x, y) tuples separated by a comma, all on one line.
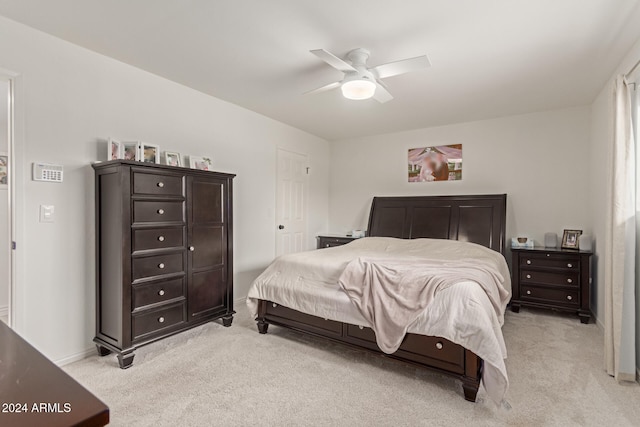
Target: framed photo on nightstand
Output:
[(570, 239)]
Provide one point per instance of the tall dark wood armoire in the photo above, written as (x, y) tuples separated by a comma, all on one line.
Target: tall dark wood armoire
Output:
[(164, 253)]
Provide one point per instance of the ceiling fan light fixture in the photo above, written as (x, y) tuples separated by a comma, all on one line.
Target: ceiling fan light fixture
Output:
[(358, 89)]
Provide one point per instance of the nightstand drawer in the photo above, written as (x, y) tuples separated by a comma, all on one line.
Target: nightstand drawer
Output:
[(549, 295), (551, 261), (549, 278)]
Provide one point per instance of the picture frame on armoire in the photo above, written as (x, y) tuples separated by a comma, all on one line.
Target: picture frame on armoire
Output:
[(570, 239)]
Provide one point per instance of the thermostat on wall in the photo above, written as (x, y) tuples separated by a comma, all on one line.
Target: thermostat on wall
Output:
[(47, 172)]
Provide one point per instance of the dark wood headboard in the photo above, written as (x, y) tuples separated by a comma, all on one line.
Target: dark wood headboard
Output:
[(479, 219)]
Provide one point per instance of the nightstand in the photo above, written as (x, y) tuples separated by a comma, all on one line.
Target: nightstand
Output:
[(557, 279), (330, 240)]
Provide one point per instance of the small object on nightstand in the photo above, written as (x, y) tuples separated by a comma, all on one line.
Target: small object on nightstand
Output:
[(550, 240), (521, 242), (556, 279)]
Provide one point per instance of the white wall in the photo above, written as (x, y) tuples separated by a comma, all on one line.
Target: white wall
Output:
[(69, 98), (600, 180), (539, 160)]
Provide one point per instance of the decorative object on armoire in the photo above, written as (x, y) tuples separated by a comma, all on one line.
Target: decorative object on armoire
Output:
[(521, 242), (172, 158), (570, 239), (163, 253), (550, 240), (149, 153), (114, 149), (130, 151), (201, 163), (551, 278)]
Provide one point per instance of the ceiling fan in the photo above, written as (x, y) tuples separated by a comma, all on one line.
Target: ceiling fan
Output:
[(360, 82)]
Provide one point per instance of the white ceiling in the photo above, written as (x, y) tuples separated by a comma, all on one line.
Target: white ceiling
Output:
[(490, 58)]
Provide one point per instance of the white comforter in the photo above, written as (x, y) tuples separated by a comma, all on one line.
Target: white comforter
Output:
[(308, 282)]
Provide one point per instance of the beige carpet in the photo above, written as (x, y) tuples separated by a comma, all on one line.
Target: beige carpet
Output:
[(216, 376)]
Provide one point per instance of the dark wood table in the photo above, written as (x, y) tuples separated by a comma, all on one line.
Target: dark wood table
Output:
[(35, 392)]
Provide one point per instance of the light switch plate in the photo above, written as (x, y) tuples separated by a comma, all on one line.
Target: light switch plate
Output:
[(47, 213)]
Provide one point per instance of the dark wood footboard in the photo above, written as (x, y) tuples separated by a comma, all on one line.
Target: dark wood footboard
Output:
[(434, 353)]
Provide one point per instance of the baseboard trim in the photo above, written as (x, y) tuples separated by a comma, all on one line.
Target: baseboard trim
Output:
[(75, 357), (4, 311)]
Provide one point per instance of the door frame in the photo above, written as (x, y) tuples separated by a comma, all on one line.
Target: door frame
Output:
[(15, 153)]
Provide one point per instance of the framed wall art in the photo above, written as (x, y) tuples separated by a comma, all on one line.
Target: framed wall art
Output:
[(437, 163)]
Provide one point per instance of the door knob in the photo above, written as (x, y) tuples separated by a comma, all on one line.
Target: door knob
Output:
[(281, 227)]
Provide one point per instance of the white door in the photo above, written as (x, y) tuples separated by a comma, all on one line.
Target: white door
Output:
[(291, 203)]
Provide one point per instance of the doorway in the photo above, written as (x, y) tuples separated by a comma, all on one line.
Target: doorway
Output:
[(291, 203)]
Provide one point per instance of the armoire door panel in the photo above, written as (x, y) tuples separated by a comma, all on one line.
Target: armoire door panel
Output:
[(207, 292), (208, 247), (207, 201)]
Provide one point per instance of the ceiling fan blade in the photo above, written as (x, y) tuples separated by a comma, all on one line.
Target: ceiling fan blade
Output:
[(400, 67), (382, 95), (323, 88), (332, 60)]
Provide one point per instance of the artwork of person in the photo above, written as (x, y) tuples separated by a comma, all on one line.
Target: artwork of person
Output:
[(426, 170), (441, 167), (115, 151), (130, 152)]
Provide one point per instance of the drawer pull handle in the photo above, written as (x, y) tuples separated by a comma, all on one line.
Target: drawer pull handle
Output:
[(161, 184), (439, 345), (569, 281), (161, 265), (528, 261), (160, 211), (275, 305), (360, 327), (528, 292), (326, 245), (161, 319), (570, 265), (161, 292), (569, 297), (528, 276), (161, 238), (191, 248)]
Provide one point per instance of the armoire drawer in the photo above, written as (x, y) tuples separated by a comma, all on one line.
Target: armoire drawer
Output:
[(157, 184), (157, 265), (157, 238), (158, 211), (155, 320), (157, 292)]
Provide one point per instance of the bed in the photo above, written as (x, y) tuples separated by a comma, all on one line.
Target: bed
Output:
[(459, 331)]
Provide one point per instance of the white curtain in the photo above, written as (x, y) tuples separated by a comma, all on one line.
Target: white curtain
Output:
[(620, 274)]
